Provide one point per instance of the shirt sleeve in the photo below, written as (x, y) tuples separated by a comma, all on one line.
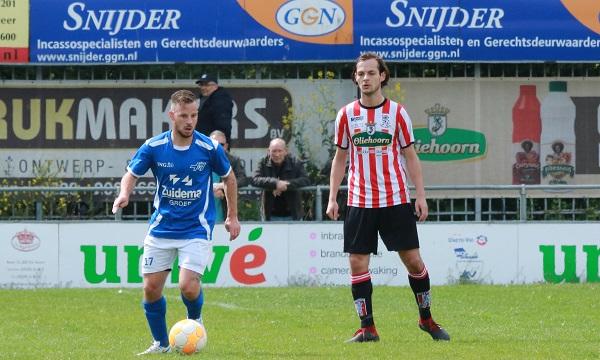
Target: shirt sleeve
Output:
[(141, 161), (405, 131), (219, 161), (341, 136)]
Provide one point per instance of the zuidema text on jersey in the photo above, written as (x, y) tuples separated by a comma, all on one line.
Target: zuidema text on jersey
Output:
[(116, 20), (438, 17), (178, 194)]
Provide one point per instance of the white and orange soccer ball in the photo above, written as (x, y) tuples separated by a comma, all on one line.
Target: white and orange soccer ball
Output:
[(187, 336)]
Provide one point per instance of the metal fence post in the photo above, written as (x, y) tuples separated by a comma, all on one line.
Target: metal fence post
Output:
[(523, 203), (478, 209), (319, 204), (38, 210), (119, 214)]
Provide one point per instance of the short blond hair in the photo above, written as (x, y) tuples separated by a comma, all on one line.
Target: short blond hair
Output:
[(181, 97)]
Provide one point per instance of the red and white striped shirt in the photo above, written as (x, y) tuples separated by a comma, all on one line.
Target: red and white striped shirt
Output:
[(375, 137)]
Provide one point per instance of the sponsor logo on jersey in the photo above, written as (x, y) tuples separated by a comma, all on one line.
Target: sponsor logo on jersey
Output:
[(377, 138), (356, 118), (165, 164), (180, 194), (199, 166)]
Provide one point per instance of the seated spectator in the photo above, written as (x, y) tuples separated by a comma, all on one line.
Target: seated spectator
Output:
[(238, 170), (280, 175)]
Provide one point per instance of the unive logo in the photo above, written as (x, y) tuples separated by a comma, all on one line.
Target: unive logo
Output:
[(586, 12), (311, 21), (245, 263), (310, 17)]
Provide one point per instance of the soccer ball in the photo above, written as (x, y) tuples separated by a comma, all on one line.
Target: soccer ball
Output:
[(187, 336)]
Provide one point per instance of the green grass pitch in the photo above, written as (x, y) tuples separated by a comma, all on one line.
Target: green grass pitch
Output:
[(485, 322)]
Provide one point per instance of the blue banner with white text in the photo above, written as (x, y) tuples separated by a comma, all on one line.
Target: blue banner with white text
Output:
[(238, 31)]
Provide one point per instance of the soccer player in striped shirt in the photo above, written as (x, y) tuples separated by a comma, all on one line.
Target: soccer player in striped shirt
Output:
[(376, 134), (182, 160)]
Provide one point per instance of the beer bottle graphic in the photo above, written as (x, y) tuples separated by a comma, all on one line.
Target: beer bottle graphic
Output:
[(558, 135), (526, 137)]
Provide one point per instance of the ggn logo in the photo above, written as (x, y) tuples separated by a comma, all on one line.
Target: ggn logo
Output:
[(310, 17)]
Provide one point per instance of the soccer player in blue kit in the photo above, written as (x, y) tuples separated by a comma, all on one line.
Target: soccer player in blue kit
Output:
[(182, 161)]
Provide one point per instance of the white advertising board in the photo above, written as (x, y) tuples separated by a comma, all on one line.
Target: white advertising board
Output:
[(317, 257), (476, 253), (559, 253), (108, 254), (29, 255)]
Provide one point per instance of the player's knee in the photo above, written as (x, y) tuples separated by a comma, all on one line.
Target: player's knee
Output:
[(190, 290), (152, 292), (414, 265)]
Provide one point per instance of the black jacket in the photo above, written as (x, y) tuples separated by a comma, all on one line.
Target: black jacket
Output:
[(215, 113), (240, 176), (266, 177)]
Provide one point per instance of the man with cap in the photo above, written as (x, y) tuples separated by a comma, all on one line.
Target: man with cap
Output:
[(216, 107)]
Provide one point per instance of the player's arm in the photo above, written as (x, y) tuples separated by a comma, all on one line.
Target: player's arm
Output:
[(127, 184), (232, 224), (338, 169), (416, 176)]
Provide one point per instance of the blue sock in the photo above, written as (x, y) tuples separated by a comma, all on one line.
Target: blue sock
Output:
[(194, 307), (156, 316)]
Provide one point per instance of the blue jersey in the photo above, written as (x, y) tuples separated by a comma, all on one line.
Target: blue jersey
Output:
[(184, 199)]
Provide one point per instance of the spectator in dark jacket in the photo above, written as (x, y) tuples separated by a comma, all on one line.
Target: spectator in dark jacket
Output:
[(280, 175), (238, 169), (216, 107)]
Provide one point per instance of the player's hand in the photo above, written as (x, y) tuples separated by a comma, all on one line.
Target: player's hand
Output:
[(120, 202), (333, 210), (421, 209), (219, 194), (232, 225)]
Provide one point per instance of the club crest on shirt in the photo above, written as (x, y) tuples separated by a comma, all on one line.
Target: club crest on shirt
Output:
[(385, 121), (370, 129)]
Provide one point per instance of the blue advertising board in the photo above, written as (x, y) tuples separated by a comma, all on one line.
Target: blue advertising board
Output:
[(161, 31)]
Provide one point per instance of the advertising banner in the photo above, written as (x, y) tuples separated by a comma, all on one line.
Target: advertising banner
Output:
[(258, 257), (14, 31), (86, 135), (151, 31), (29, 256), (467, 131), (505, 131), (86, 255), (556, 253)]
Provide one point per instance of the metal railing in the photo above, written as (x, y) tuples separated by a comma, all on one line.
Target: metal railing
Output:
[(457, 202)]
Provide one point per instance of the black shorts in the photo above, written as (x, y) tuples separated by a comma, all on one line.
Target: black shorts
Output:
[(397, 226)]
